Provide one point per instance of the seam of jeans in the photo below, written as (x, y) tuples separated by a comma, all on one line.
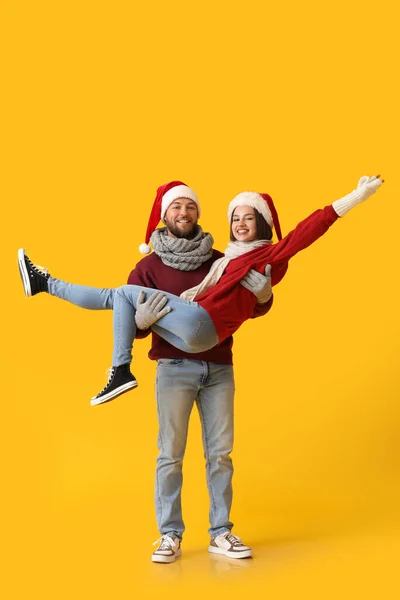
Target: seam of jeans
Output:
[(227, 373), (206, 373), (161, 450), (117, 341), (196, 334), (117, 318), (218, 532), (124, 298), (174, 362), (207, 453)]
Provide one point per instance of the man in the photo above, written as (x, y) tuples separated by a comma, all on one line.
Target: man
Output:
[(182, 257)]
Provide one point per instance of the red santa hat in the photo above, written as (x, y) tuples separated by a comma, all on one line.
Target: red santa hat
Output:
[(166, 194), (261, 202)]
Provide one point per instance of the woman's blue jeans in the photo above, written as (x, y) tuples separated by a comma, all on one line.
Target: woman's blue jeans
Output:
[(188, 326)]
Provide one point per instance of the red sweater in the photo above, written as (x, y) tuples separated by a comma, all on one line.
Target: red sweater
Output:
[(230, 304), (152, 272)]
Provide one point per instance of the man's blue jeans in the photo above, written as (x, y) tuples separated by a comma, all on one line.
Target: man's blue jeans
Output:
[(179, 384)]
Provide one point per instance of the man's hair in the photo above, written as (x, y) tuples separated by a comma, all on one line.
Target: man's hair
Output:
[(264, 231)]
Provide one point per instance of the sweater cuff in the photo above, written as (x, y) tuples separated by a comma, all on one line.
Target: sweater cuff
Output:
[(261, 309), (142, 333), (265, 298), (346, 203)]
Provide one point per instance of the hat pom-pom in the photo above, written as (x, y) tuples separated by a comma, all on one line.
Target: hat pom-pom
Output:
[(144, 249)]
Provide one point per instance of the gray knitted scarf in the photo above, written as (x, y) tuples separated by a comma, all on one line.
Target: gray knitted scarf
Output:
[(182, 254)]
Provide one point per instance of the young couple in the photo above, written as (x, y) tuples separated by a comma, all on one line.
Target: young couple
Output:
[(198, 328)]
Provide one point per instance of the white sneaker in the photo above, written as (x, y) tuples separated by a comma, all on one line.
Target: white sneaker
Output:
[(168, 550), (230, 545)]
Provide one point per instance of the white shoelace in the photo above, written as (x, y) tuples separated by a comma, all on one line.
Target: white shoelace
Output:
[(109, 373), (38, 268), (167, 542), (42, 269)]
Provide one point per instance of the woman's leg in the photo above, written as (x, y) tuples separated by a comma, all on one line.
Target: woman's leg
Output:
[(37, 279), (83, 296), (188, 326)]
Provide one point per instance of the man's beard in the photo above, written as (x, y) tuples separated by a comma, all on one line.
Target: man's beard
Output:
[(186, 235)]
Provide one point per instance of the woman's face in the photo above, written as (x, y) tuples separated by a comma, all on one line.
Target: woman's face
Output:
[(244, 227)]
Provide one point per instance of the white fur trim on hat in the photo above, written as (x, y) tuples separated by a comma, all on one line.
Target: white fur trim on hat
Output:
[(255, 201), (179, 191), (144, 249)]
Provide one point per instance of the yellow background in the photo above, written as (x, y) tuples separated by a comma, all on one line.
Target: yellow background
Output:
[(103, 102)]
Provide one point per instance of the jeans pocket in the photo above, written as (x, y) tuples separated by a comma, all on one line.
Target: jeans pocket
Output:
[(169, 362)]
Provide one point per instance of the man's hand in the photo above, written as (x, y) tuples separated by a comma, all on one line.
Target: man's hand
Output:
[(150, 311), (259, 284)]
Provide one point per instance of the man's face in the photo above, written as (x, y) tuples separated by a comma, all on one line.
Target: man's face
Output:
[(181, 218)]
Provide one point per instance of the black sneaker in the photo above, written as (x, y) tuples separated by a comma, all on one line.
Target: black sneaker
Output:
[(34, 278), (120, 380)]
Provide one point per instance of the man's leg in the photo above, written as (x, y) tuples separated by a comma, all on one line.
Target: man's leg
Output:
[(177, 386), (215, 405)]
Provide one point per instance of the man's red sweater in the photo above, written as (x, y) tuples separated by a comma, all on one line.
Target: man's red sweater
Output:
[(153, 273), (230, 304)]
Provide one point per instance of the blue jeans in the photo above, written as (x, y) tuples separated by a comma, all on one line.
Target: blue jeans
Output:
[(188, 326), (179, 384)]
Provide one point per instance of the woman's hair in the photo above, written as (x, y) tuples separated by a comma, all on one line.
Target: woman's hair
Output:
[(264, 231)]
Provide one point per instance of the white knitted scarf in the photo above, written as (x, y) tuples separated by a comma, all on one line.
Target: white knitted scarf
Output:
[(233, 250)]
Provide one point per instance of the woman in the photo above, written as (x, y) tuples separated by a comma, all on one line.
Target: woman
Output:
[(221, 304)]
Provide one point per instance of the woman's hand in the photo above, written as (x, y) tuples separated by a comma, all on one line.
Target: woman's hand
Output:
[(368, 185), (365, 188)]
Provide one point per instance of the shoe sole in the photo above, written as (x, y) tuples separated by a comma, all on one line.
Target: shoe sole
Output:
[(23, 272), (243, 554), (159, 558), (111, 395)]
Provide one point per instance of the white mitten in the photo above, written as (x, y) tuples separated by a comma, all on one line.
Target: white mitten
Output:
[(365, 188)]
